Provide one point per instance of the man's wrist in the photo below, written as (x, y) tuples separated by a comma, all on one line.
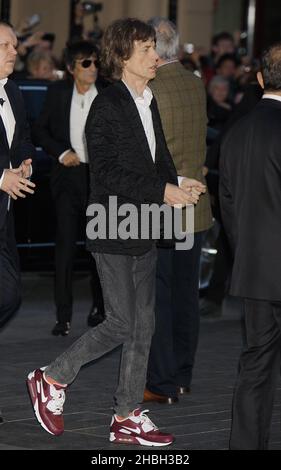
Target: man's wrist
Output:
[(2, 179), (61, 157)]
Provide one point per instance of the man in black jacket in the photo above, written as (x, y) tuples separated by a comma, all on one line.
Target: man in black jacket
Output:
[(129, 161), (15, 169), (60, 131), (250, 196)]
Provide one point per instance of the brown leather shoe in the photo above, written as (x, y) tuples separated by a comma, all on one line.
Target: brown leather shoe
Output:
[(183, 390), (150, 396)]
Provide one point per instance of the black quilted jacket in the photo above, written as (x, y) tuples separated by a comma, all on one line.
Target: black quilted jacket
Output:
[(121, 164)]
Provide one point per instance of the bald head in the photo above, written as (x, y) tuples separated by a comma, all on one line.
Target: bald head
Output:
[(8, 44)]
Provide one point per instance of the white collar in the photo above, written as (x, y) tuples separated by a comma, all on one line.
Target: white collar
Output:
[(272, 96), (3, 81), (146, 97)]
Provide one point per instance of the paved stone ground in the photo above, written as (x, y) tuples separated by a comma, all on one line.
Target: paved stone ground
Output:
[(200, 420)]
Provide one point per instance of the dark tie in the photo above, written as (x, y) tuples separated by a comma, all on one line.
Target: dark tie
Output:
[(2, 101)]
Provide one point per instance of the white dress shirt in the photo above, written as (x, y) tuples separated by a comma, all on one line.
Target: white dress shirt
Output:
[(8, 118), (80, 107), (143, 106)]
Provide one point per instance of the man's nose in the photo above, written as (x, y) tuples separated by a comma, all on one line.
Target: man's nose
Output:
[(156, 56), (13, 49)]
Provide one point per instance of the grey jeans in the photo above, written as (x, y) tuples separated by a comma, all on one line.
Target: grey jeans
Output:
[(128, 285)]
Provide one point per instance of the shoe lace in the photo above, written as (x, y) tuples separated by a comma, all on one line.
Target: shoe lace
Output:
[(147, 424), (55, 405)]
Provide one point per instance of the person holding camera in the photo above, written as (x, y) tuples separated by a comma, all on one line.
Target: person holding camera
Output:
[(78, 28)]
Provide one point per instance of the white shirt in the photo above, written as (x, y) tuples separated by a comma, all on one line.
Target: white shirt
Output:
[(80, 107), (272, 96), (143, 106), (8, 118), (6, 113)]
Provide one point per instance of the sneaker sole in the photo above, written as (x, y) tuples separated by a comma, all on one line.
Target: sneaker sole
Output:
[(121, 439), (32, 393)]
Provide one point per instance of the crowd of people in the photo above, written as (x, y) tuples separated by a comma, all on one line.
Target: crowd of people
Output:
[(129, 120)]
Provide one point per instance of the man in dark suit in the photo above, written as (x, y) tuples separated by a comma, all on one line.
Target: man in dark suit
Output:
[(15, 169), (60, 131), (250, 196), (129, 161)]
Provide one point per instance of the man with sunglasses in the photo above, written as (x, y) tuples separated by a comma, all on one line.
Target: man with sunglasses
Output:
[(60, 131)]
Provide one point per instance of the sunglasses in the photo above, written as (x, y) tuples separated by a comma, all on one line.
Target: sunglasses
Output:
[(86, 63)]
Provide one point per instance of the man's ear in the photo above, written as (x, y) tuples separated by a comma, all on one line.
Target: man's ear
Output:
[(70, 69), (260, 80)]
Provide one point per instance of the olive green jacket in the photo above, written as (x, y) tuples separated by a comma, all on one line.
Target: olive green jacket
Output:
[(181, 99)]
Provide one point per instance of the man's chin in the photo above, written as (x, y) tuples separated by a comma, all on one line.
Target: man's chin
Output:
[(152, 74), (9, 69)]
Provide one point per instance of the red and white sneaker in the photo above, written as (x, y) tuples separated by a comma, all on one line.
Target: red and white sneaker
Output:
[(47, 401), (138, 429)]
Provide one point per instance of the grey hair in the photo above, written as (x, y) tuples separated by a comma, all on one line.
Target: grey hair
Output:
[(167, 37), (217, 80)]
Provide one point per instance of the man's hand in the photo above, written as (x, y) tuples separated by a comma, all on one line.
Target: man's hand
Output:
[(26, 168), (191, 184), (176, 196), (13, 184), (70, 159), (205, 170)]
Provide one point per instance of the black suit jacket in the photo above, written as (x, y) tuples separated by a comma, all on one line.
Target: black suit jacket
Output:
[(51, 130), (250, 196), (120, 161), (21, 147)]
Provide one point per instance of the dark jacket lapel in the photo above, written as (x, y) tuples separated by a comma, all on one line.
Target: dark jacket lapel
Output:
[(156, 125), (66, 102), (133, 117)]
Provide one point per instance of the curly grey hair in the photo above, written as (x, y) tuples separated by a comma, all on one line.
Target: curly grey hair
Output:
[(167, 38)]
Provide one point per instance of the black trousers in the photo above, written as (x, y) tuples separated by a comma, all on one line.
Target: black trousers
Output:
[(10, 296), (70, 188), (259, 368), (218, 285), (175, 339)]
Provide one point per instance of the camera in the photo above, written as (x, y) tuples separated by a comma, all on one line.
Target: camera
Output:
[(92, 7)]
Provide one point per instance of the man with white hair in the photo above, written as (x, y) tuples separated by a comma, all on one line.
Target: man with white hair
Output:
[(182, 104)]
